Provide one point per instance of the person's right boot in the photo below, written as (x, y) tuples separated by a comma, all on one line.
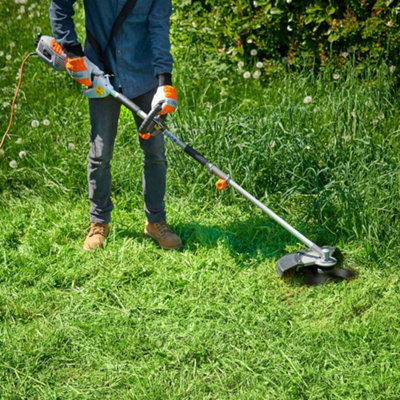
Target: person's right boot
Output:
[(96, 236)]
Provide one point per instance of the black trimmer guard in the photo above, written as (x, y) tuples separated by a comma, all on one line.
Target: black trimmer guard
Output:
[(314, 268)]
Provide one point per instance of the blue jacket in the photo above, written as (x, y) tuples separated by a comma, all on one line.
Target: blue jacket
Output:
[(140, 50)]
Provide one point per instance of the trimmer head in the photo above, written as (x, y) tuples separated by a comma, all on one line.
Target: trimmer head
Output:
[(316, 269)]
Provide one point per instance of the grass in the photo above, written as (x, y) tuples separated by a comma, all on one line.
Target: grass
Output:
[(213, 320)]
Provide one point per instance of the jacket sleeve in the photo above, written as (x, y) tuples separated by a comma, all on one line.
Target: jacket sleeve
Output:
[(62, 24), (159, 26)]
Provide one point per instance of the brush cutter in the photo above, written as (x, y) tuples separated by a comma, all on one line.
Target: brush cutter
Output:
[(318, 263)]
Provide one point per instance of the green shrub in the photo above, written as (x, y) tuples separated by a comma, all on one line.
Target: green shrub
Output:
[(290, 30)]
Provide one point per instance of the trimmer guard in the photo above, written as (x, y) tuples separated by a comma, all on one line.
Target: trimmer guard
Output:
[(305, 258)]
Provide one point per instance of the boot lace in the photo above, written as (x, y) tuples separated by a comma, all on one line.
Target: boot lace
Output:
[(163, 228), (98, 229)]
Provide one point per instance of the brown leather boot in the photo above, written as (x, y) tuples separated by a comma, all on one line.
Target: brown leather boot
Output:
[(96, 237), (163, 234)]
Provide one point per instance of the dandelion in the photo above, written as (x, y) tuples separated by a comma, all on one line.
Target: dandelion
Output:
[(392, 68), (345, 54), (382, 116), (246, 75), (256, 74), (71, 146), (308, 148), (259, 64), (13, 164), (335, 76), (35, 123), (1, 53), (375, 122), (19, 141), (12, 44), (307, 100), (8, 57), (46, 122), (253, 52), (22, 154), (1, 152), (240, 64), (285, 60)]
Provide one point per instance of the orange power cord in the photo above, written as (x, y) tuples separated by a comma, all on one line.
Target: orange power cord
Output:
[(15, 97)]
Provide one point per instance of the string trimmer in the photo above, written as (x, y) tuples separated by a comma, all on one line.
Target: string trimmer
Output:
[(319, 262)]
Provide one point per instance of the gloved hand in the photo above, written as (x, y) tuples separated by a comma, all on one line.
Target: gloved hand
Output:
[(82, 70), (167, 95)]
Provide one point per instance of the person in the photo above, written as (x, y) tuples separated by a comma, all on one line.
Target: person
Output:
[(137, 55)]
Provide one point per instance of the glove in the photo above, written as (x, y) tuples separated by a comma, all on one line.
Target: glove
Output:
[(82, 70), (165, 94)]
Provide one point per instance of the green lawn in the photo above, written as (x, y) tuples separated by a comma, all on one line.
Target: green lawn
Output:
[(212, 320)]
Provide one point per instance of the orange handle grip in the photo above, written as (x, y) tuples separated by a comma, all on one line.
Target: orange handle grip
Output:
[(145, 136), (221, 184)]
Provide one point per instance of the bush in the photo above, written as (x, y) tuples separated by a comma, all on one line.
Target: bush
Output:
[(290, 30)]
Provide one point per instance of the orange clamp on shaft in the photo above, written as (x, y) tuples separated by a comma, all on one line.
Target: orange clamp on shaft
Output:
[(221, 184), (145, 136)]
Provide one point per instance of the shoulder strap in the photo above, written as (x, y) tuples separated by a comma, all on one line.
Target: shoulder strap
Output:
[(126, 9)]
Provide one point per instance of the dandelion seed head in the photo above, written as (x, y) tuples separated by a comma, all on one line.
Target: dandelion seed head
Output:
[(1, 53), (240, 64), (259, 64), (8, 57), (335, 76), (246, 75), (392, 68), (1, 152), (19, 141), (13, 164), (307, 100), (35, 123), (256, 74), (46, 122), (22, 154), (253, 52), (71, 146)]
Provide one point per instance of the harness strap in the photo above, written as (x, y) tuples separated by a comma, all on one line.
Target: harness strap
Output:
[(126, 9)]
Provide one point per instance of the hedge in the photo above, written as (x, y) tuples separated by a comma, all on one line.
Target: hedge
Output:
[(290, 30)]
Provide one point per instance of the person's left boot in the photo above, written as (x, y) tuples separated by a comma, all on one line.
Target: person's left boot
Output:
[(163, 234)]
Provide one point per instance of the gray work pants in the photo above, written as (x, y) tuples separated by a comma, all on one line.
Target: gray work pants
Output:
[(104, 115)]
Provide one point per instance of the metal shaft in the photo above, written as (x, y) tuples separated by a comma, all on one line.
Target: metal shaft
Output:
[(220, 174)]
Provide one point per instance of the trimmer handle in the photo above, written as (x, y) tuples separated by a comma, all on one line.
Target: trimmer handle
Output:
[(149, 126)]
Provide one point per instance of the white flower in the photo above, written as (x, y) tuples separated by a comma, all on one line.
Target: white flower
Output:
[(374, 122), (382, 116), (35, 123), (22, 154), (240, 64), (19, 141), (12, 44), (307, 100), (13, 164), (256, 74), (1, 152), (8, 57), (335, 76), (392, 68), (307, 148), (246, 75), (345, 54), (289, 28), (253, 52), (259, 64), (1, 53), (71, 146), (46, 122), (288, 1)]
